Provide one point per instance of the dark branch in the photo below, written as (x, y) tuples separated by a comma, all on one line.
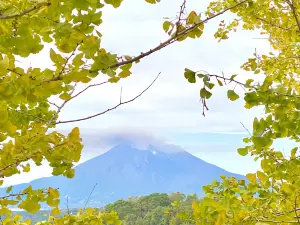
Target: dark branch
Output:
[(174, 38), (26, 11), (92, 85), (181, 12), (246, 129), (110, 109), (88, 199), (292, 6), (272, 24)]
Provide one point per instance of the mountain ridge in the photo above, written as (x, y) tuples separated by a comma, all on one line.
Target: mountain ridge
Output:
[(126, 171)]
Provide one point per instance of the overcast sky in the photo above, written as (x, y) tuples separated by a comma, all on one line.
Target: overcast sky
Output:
[(170, 111)]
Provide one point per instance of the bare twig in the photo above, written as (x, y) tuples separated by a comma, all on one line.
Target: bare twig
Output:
[(92, 85), (110, 109), (246, 129), (59, 108), (88, 199), (68, 59), (54, 104), (67, 205), (181, 12), (26, 11), (62, 105)]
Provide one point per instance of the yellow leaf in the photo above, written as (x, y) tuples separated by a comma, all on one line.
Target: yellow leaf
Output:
[(53, 192), (221, 218), (251, 177), (55, 212)]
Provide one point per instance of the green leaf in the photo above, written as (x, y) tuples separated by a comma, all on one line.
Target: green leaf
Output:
[(200, 75), (9, 189), (114, 79), (293, 152), (232, 95), (30, 206), (262, 142), (205, 93), (190, 75), (114, 3), (65, 96), (26, 168), (243, 151), (152, 1), (209, 85), (232, 77), (166, 26), (4, 64), (124, 73), (220, 82)]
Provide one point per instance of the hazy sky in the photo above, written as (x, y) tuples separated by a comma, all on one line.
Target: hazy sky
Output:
[(170, 111)]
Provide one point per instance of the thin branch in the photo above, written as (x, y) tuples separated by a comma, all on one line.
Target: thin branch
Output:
[(62, 105), (59, 108), (243, 85), (54, 104), (67, 205), (110, 109), (45, 191), (88, 199), (92, 85), (59, 77), (272, 24), (181, 12), (68, 59), (292, 5), (246, 129), (26, 11), (172, 39), (157, 48), (13, 71)]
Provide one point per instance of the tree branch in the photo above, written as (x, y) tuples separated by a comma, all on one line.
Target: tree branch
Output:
[(92, 85), (292, 6), (26, 11), (246, 128), (173, 39), (272, 24), (243, 85), (88, 199), (181, 12), (110, 109)]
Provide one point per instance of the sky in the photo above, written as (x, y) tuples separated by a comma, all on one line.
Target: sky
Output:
[(170, 111)]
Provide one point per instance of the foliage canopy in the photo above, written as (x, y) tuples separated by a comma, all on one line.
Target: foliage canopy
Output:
[(27, 117)]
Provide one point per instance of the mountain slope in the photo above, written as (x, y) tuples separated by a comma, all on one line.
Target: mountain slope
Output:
[(124, 171)]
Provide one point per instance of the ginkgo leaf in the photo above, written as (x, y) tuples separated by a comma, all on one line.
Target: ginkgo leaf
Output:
[(232, 95)]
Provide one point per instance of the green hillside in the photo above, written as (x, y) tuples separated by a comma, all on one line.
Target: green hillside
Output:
[(153, 209)]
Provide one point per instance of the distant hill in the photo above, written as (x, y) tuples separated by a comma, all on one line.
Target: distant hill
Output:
[(125, 171)]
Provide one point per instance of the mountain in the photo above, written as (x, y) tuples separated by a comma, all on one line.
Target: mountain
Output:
[(125, 171)]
